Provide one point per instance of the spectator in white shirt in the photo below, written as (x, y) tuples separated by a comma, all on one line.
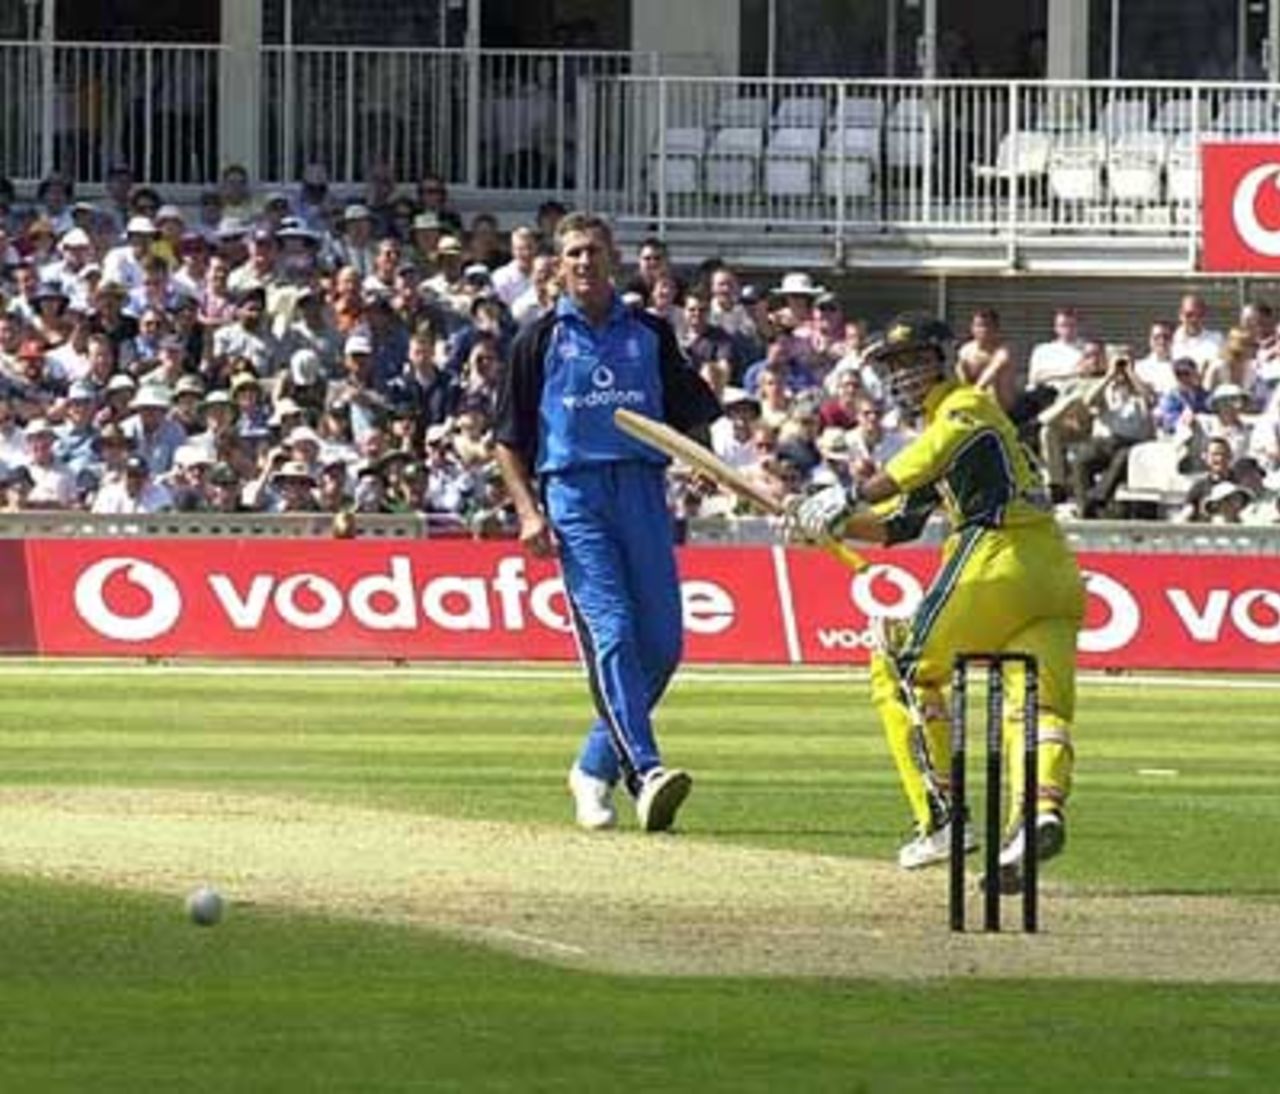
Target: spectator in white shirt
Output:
[(125, 264), (732, 436), (514, 279), (872, 444), (1259, 320), (1266, 436), (1121, 405), (1227, 402), (1156, 368), (1056, 363), (53, 486), (1192, 338), (543, 290), (134, 493)]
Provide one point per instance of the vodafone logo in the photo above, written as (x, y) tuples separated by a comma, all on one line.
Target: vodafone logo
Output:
[(1244, 211), (1240, 207), (127, 599), (164, 600), (602, 376)]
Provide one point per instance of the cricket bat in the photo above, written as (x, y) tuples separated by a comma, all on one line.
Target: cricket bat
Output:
[(689, 452)]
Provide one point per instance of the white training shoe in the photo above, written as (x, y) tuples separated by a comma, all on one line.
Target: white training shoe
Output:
[(661, 795), (1051, 838), (933, 847), (592, 800)]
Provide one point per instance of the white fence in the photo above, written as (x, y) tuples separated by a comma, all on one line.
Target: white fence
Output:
[(483, 118), (863, 157)]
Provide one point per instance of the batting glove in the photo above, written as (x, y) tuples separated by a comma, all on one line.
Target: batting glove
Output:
[(823, 514)]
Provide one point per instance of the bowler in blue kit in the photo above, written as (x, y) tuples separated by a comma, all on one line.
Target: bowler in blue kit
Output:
[(600, 504)]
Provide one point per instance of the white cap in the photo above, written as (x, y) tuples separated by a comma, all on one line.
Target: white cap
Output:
[(38, 427), (76, 237), (798, 284), (303, 434), (152, 397), (192, 455), (141, 226)]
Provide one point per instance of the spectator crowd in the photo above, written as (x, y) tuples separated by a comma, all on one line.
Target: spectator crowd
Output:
[(303, 351)]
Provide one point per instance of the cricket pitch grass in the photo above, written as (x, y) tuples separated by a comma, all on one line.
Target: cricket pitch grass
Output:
[(772, 936)]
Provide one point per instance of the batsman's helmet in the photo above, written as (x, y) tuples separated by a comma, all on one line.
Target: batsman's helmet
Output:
[(911, 358)]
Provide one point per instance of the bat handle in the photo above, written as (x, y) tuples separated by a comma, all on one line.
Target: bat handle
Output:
[(846, 555)]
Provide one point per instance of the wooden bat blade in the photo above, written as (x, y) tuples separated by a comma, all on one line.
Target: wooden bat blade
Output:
[(675, 444), (689, 452)]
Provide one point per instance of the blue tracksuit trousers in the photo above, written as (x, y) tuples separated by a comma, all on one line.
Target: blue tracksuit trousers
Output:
[(618, 561)]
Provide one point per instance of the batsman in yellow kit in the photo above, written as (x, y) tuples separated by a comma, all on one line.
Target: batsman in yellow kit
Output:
[(1008, 582)]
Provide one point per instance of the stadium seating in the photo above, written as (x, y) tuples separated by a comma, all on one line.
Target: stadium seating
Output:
[(1135, 167), (1182, 115), (791, 161), (1075, 168), (731, 166), (684, 147), (910, 135), (1022, 154), (850, 163), (1152, 475)]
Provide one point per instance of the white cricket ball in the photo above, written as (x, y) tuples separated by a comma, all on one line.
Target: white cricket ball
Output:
[(205, 906)]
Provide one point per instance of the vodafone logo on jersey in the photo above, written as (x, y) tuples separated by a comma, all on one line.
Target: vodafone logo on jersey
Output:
[(1240, 190)]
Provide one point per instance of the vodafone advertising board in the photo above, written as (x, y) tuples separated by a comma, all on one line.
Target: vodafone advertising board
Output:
[(1240, 206), (330, 599), (488, 601)]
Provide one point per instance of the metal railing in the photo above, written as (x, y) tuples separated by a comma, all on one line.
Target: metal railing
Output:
[(80, 107), (481, 118), (80, 525), (857, 158)]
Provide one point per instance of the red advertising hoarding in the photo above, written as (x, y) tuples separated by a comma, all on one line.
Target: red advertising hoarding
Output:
[(456, 600), (1240, 203)]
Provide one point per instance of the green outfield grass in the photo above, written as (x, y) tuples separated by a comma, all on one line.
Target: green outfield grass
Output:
[(105, 990)]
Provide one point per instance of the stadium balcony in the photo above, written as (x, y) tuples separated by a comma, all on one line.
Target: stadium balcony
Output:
[(946, 176)]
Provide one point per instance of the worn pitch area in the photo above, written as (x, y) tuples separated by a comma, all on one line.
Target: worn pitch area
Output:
[(618, 902)]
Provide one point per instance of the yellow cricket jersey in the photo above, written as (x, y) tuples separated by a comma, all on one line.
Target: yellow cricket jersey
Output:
[(970, 460)]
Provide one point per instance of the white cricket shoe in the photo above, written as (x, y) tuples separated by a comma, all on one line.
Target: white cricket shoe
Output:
[(661, 795), (929, 848), (592, 800), (1051, 838)]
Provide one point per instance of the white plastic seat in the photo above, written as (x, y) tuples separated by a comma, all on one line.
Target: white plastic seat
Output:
[(850, 162), (1151, 474), (683, 147), (1075, 167), (1121, 116), (1135, 167), (1063, 110), (742, 112), (1182, 169), (909, 134), (1245, 113), (800, 111), (1181, 115), (1023, 154), (858, 113), (791, 161), (731, 166)]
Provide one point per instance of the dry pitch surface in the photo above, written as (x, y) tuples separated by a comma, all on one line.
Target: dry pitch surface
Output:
[(620, 902)]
